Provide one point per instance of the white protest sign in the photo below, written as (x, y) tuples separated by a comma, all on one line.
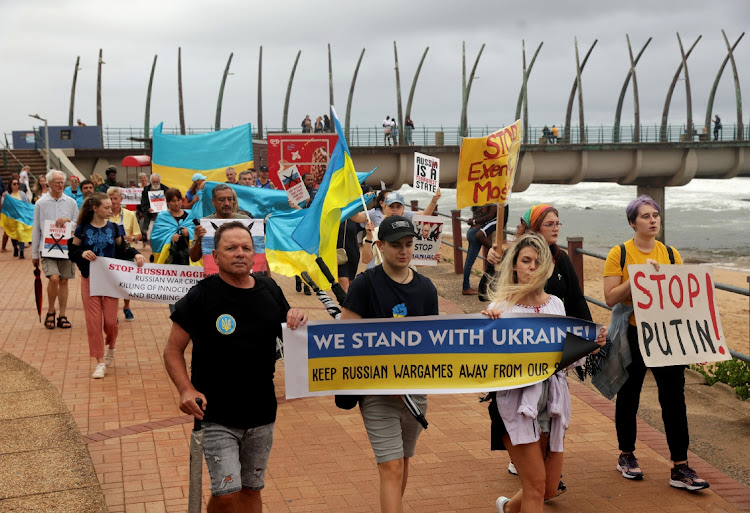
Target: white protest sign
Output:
[(56, 240), (158, 201), (131, 195), (676, 315), (427, 242), (426, 172), (154, 283), (292, 183)]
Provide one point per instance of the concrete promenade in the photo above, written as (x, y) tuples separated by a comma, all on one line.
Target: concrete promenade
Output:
[(53, 416)]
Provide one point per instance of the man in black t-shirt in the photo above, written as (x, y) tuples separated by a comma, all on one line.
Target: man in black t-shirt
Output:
[(389, 290), (233, 319)]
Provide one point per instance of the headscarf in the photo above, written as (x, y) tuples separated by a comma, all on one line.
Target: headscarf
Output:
[(532, 214)]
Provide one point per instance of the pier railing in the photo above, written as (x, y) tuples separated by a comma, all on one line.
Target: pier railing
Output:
[(575, 251)]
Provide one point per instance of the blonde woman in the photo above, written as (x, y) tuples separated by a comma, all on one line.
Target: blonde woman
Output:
[(534, 442), (98, 182)]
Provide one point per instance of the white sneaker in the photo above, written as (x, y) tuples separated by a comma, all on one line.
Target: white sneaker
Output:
[(109, 357), (500, 504), (101, 370), (512, 469)]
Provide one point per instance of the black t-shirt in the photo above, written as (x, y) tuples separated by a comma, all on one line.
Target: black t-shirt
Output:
[(234, 348), (382, 297), (564, 284)]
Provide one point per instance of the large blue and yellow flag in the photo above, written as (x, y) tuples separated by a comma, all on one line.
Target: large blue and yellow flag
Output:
[(286, 257), (178, 157), (165, 226), (259, 202), (318, 230), (17, 218)]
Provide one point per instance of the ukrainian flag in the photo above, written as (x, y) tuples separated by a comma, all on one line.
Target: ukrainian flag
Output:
[(259, 202), (318, 230), (177, 157), (165, 226), (17, 218), (286, 257)]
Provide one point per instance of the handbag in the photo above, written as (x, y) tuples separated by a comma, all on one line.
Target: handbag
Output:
[(341, 256)]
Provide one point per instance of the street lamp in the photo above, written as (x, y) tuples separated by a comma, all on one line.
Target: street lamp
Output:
[(46, 135)]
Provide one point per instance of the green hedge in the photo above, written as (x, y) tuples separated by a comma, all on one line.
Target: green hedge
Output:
[(735, 373)]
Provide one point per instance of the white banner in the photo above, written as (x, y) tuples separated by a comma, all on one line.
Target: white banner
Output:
[(427, 242), (158, 201), (154, 283), (426, 172), (677, 315), (131, 195), (56, 240), (292, 183)]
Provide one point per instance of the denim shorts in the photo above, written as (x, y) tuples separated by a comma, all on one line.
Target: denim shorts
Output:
[(231, 453), (392, 429)]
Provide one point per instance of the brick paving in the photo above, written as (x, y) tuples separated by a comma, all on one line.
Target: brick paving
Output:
[(321, 461)]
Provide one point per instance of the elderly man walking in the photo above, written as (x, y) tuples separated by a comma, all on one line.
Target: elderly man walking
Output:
[(61, 209), (224, 200), (233, 319)]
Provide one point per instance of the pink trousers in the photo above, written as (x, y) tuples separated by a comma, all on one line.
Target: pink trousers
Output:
[(101, 313)]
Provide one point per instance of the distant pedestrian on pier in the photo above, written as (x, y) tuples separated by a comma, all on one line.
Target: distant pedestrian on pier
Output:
[(717, 127), (409, 124), (554, 134), (644, 216), (387, 127)]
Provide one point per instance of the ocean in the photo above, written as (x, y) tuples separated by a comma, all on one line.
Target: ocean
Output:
[(706, 220)]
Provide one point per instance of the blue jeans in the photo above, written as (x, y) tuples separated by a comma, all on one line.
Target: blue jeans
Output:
[(471, 255)]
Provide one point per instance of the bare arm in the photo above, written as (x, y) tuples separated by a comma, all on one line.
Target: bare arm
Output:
[(614, 291), (174, 361), (359, 217), (196, 250)]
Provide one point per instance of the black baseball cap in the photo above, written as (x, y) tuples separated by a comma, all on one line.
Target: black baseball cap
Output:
[(394, 228)]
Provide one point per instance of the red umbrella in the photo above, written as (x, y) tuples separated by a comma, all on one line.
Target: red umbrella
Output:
[(38, 291)]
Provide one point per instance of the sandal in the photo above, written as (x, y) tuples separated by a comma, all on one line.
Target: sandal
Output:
[(63, 322), (49, 321)]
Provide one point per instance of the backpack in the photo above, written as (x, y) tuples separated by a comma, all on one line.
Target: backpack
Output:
[(624, 254)]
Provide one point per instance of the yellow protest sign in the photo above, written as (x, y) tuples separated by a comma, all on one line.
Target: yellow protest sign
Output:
[(486, 167)]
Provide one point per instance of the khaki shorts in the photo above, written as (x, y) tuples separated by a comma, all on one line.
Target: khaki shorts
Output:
[(392, 429), (65, 269)]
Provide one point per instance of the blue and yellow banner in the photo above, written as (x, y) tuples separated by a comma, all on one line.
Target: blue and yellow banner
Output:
[(165, 226), (434, 354), (317, 232), (259, 202), (17, 218), (177, 157)]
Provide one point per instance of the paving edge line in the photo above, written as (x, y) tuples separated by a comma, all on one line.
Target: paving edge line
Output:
[(723, 485)]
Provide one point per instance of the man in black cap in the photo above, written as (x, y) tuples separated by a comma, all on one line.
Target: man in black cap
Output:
[(392, 289), (111, 180)]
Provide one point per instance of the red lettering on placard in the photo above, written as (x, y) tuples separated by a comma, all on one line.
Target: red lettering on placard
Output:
[(492, 144), (675, 278), (712, 306), (693, 292), (658, 279), (636, 277)]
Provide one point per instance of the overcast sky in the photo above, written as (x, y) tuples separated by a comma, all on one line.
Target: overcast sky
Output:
[(40, 39)]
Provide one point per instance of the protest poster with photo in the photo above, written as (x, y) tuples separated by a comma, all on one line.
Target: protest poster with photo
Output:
[(426, 173), (154, 283), (257, 230), (56, 240), (427, 242), (158, 201), (291, 181), (676, 315), (131, 195), (431, 355)]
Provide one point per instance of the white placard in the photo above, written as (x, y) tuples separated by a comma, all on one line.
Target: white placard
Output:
[(56, 240), (154, 283), (158, 201), (426, 173), (676, 315), (427, 242), (131, 195), (292, 183)]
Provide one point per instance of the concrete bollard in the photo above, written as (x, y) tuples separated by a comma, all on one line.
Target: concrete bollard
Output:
[(576, 258)]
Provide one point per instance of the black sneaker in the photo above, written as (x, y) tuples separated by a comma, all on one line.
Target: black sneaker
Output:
[(685, 477), (628, 465)]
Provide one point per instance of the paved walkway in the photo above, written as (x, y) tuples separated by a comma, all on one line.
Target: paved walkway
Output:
[(138, 439)]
